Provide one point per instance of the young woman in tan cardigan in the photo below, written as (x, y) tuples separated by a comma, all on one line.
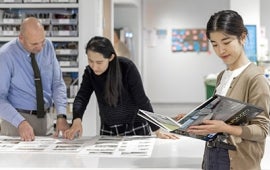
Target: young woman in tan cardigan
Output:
[(241, 80)]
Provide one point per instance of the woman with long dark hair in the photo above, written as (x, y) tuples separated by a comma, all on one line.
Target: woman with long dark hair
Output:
[(119, 90)]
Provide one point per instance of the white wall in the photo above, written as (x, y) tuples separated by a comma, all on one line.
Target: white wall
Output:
[(177, 77)]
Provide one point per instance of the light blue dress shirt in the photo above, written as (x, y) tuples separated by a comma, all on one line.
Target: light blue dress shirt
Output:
[(17, 86)]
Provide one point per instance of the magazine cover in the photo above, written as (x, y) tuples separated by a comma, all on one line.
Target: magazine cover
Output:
[(217, 107)]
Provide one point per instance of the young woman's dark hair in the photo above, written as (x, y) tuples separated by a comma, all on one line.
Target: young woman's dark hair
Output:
[(113, 86), (227, 21)]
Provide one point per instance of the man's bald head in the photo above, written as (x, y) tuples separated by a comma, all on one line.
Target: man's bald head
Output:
[(31, 25), (32, 35)]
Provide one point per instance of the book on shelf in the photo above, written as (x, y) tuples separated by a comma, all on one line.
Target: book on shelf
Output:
[(217, 107)]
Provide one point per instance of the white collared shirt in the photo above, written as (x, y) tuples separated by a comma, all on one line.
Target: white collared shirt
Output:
[(227, 78)]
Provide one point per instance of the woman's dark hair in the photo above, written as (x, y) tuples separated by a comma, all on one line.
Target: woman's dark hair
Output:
[(227, 21), (113, 86)]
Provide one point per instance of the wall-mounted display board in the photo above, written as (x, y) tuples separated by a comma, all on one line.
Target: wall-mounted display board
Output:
[(184, 40)]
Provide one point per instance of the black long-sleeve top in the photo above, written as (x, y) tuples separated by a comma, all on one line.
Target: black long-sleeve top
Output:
[(133, 96)]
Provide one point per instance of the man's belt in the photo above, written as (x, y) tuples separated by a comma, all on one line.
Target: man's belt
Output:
[(31, 112), (219, 144)]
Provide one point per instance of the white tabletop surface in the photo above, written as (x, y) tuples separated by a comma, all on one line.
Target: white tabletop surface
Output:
[(184, 153)]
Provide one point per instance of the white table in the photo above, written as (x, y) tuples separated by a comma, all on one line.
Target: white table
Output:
[(182, 154)]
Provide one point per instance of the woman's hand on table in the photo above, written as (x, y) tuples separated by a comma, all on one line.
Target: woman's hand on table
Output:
[(165, 135)]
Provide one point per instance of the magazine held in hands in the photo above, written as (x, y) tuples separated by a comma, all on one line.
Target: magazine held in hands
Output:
[(217, 107)]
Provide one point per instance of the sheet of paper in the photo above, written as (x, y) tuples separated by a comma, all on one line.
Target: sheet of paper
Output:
[(102, 146), (136, 146)]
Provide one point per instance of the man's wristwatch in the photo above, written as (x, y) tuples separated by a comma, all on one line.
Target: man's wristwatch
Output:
[(61, 116)]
